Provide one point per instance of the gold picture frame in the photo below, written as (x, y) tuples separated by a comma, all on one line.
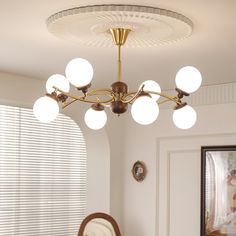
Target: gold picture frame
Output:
[(139, 171), (218, 191)]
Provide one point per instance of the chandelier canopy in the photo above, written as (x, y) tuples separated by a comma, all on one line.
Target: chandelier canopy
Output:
[(79, 72)]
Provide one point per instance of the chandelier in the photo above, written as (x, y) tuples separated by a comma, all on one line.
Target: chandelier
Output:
[(144, 102)]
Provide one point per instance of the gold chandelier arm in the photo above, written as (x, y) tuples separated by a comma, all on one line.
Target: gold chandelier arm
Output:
[(87, 97), (168, 98), (104, 102), (66, 104), (134, 95), (81, 99), (102, 91)]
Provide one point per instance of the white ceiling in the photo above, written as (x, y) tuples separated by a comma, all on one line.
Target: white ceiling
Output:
[(27, 48)]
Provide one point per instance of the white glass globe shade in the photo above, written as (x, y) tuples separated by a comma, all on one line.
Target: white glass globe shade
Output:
[(59, 81), (79, 72), (144, 110), (151, 85), (95, 119), (184, 118), (188, 79), (46, 109)]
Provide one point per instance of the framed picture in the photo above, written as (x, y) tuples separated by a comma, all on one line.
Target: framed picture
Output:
[(218, 191), (139, 171)]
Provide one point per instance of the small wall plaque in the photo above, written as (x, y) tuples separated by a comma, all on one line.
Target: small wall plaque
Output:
[(139, 171)]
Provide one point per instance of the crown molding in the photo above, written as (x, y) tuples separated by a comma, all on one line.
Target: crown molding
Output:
[(209, 95)]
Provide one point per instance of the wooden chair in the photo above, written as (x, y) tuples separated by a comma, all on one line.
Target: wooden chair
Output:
[(99, 215)]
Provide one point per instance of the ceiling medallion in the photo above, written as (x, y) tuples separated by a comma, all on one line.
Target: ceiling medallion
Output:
[(124, 24), (90, 25)]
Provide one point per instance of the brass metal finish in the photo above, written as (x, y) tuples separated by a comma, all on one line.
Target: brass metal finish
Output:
[(108, 96), (104, 96), (118, 96), (119, 64), (142, 93), (119, 35)]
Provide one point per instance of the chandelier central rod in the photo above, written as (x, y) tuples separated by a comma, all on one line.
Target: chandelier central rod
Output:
[(119, 36), (119, 63)]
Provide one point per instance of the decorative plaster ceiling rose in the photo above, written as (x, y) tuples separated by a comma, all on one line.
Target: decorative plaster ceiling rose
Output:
[(89, 25)]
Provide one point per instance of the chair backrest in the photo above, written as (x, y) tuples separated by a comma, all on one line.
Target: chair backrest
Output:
[(99, 224)]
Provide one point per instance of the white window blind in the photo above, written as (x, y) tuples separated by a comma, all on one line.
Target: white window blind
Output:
[(42, 175)]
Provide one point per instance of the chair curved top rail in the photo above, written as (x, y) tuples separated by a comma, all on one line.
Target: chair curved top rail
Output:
[(100, 215)]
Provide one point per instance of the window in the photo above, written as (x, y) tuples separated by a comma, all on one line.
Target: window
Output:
[(42, 175)]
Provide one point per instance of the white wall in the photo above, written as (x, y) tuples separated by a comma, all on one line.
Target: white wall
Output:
[(166, 203), (114, 128), (18, 90), (147, 208)]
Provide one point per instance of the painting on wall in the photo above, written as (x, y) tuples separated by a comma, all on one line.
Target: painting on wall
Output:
[(139, 171), (218, 191)]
